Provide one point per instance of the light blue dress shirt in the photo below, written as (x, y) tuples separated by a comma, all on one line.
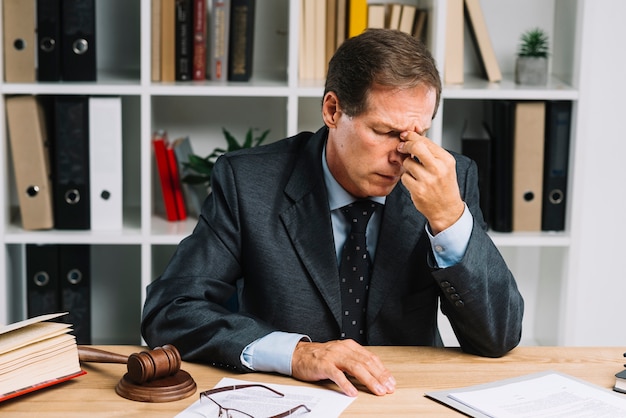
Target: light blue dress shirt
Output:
[(273, 352)]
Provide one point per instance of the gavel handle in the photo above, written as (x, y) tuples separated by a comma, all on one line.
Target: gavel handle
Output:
[(90, 354)]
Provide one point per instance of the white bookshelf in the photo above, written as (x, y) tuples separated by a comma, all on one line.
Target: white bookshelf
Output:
[(125, 262)]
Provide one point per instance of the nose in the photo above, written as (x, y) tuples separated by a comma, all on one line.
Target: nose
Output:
[(396, 157)]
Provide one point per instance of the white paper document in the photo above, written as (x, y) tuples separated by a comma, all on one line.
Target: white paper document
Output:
[(540, 395), (260, 402)]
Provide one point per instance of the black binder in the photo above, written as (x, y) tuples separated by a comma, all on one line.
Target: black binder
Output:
[(49, 40), (502, 165), (70, 150), (42, 280), (78, 40), (478, 148), (556, 157), (75, 283)]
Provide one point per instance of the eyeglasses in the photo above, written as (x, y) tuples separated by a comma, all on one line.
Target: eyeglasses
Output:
[(225, 412)]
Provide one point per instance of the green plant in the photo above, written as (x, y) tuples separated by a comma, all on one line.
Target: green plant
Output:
[(203, 166), (533, 43)]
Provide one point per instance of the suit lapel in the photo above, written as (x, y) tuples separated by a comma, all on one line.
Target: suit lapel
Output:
[(308, 224), (401, 228)]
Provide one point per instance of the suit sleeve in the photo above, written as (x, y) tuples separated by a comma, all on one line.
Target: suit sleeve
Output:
[(185, 306), (479, 294)]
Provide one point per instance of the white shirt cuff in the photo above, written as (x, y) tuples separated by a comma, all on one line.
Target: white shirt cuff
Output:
[(272, 353), (450, 244)]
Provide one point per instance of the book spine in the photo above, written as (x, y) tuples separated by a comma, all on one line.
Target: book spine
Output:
[(199, 40), (159, 143), (241, 40), (184, 40), (219, 39)]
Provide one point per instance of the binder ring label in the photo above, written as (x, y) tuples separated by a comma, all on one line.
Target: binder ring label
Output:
[(72, 196), (47, 44), (80, 46), (556, 196), (74, 276), (41, 278), (32, 191)]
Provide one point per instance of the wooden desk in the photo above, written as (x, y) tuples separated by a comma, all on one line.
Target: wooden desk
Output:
[(417, 370)]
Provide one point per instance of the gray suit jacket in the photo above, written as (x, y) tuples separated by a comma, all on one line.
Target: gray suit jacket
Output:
[(267, 221)]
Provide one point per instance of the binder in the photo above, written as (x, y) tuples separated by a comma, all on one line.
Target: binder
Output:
[(19, 40), (184, 40), (241, 42), (155, 40), (502, 165), (31, 161), (75, 284), (105, 163), (48, 40), (78, 40), (558, 125), (528, 155), (357, 17), (42, 280), (71, 162), (477, 146)]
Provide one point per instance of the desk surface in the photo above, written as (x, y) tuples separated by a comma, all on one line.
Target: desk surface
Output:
[(416, 369)]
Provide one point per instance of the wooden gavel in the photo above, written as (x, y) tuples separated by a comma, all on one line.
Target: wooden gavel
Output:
[(142, 367)]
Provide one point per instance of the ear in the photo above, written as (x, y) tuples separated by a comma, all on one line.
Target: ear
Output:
[(330, 109)]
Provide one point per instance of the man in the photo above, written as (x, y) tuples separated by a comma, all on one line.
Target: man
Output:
[(274, 220)]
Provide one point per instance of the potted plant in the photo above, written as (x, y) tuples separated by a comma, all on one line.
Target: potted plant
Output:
[(531, 66), (202, 167)]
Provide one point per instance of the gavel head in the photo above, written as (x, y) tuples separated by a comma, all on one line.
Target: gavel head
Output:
[(153, 364)]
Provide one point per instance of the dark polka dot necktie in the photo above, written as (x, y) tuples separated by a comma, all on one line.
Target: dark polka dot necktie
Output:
[(354, 270)]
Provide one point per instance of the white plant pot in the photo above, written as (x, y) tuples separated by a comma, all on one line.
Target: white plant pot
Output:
[(532, 71)]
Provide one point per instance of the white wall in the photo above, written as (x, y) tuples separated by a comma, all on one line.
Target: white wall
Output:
[(596, 300)]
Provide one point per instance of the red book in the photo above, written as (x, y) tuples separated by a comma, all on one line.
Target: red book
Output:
[(199, 40), (177, 188), (159, 143)]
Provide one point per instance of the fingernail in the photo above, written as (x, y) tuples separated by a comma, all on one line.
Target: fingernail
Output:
[(380, 389), (400, 146)]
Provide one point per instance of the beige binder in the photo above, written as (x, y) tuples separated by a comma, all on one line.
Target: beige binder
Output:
[(19, 40), (29, 150), (478, 28), (528, 151)]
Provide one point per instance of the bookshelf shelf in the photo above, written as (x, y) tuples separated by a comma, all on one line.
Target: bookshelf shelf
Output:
[(126, 261)]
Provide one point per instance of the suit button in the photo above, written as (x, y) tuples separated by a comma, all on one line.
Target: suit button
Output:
[(445, 284), (451, 289), (455, 296), (459, 304)]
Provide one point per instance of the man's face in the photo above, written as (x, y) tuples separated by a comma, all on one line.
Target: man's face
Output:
[(361, 151)]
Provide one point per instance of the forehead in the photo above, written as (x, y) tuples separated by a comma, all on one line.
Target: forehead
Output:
[(401, 109)]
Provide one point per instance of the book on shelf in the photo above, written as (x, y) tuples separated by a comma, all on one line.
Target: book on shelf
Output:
[(376, 14), (482, 41), (199, 40), (407, 18), (419, 28), (395, 11), (19, 19), (241, 43), (331, 28), (177, 188), (194, 194), (168, 40), (36, 353), (155, 39), (453, 66), (165, 180), (30, 153), (312, 58), (341, 30), (357, 17), (219, 23), (184, 40)]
